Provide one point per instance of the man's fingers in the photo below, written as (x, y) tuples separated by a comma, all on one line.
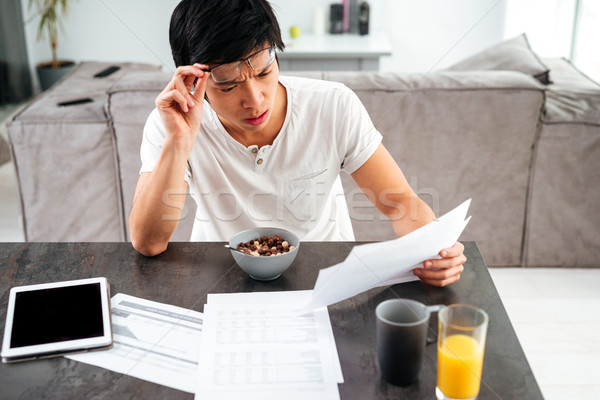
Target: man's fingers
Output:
[(188, 81), (184, 78), (444, 282), (190, 70), (178, 90), (169, 98), (180, 87), (428, 275), (445, 262), (200, 87), (446, 270), (188, 74), (453, 251)]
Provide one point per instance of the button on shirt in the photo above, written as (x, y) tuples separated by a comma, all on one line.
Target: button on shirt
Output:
[(293, 183)]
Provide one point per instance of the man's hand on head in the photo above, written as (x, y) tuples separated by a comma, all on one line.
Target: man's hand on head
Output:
[(179, 108)]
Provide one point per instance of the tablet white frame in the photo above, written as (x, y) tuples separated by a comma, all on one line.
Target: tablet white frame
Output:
[(59, 348)]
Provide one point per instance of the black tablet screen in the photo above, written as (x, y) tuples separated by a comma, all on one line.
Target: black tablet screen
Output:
[(57, 315)]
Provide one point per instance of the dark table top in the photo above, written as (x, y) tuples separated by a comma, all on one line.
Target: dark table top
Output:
[(187, 272)]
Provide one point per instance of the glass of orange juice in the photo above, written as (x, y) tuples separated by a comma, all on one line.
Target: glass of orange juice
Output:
[(461, 343)]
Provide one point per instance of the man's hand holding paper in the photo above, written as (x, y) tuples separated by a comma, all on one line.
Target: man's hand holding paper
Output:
[(391, 262), (444, 271)]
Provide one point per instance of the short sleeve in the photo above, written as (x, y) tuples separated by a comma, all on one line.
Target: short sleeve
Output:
[(358, 138), (152, 143)]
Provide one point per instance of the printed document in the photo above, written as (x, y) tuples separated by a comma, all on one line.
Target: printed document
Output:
[(152, 341), (260, 346)]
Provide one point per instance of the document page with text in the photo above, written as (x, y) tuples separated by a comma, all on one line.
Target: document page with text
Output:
[(152, 341), (260, 345)]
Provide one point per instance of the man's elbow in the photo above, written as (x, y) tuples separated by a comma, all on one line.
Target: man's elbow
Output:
[(144, 240), (148, 249)]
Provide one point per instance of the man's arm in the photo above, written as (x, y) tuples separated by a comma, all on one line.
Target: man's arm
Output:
[(383, 182), (160, 194), (157, 204)]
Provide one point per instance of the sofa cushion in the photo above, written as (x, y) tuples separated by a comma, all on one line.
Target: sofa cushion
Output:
[(511, 55)]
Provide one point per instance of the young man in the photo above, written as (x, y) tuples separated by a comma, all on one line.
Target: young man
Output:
[(257, 148)]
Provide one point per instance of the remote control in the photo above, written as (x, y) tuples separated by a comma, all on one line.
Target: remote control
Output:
[(106, 72), (75, 102)]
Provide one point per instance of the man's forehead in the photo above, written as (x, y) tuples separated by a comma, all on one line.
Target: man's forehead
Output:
[(243, 72)]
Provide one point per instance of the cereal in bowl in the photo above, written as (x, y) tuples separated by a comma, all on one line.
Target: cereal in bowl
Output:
[(266, 246)]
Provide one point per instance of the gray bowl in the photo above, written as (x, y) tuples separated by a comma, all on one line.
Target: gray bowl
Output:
[(264, 268)]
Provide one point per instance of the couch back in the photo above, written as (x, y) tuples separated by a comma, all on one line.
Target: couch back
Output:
[(455, 135)]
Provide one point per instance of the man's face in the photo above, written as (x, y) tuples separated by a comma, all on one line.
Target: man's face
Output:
[(246, 104)]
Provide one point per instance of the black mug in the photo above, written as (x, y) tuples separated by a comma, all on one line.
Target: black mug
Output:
[(402, 327)]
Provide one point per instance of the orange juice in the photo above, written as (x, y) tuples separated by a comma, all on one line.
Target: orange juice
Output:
[(460, 359)]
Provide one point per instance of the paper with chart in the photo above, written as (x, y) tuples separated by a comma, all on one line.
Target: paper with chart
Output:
[(259, 346), (152, 341), (387, 263)]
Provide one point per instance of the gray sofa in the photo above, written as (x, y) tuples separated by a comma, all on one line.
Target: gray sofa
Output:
[(527, 154)]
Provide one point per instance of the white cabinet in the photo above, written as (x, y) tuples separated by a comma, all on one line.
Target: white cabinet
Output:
[(345, 52)]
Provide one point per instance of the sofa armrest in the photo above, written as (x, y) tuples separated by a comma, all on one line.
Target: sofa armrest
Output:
[(573, 97), (563, 222)]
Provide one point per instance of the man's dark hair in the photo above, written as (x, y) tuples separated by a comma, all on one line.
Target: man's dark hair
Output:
[(221, 31)]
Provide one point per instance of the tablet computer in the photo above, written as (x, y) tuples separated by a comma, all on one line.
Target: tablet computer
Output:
[(57, 318)]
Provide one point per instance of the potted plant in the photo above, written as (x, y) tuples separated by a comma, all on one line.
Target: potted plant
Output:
[(50, 13)]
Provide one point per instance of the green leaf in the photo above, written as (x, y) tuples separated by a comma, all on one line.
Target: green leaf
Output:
[(50, 13)]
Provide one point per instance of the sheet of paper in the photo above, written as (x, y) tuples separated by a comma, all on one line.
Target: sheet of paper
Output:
[(259, 346), (385, 263), (152, 341), (293, 298)]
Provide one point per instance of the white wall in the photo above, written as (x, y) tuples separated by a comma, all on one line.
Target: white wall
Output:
[(108, 30), (434, 34), (425, 35), (586, 54), (547, 23)]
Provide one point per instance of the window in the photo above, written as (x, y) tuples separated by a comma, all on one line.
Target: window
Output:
[(585, 54), (559, 28)]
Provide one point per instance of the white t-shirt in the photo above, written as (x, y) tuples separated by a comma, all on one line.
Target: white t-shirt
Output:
[(293, 183)]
